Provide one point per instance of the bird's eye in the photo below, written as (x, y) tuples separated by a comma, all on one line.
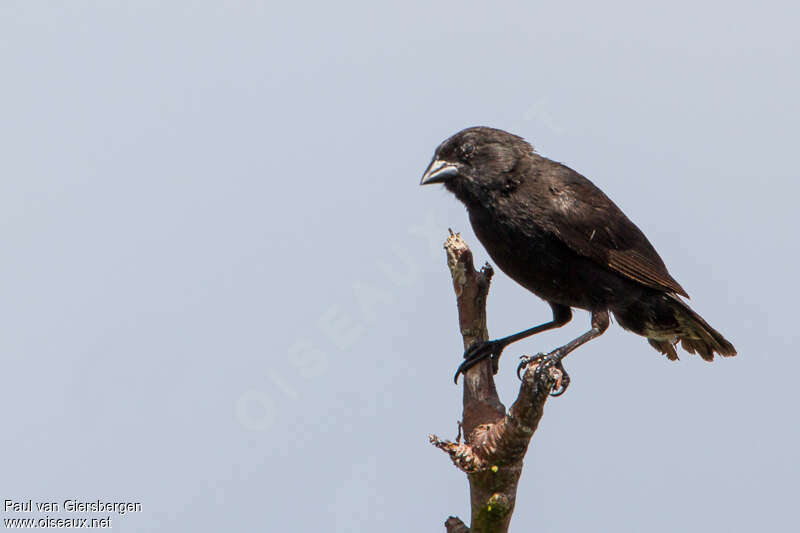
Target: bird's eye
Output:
[(465, 151)]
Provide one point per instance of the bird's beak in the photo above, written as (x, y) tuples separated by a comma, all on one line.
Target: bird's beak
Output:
[(438, 171)]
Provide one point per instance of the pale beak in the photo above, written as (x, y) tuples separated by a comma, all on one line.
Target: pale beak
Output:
[(438, 172)]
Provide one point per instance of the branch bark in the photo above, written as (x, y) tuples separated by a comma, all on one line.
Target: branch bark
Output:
[(494, 442)]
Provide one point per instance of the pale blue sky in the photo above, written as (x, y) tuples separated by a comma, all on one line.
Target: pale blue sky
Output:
[(224, 294)]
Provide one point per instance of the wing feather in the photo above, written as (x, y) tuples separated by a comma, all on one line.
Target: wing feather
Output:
[(587, 221)]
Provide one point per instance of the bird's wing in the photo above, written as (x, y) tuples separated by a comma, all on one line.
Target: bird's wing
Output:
[(587, 221)]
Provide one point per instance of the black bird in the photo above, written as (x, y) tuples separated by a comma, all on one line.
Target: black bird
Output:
[(556, 234)]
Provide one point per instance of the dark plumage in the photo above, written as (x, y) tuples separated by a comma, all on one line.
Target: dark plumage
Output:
[(556, 234)]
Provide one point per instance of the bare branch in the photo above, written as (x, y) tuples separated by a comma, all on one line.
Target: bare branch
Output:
[(455, 525), (494, 442)]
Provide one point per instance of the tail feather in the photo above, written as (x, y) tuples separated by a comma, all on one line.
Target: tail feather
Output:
[(698, 336), (665, 347), (666, 321)]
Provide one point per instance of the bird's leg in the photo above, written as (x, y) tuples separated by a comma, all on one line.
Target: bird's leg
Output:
[(543, 362), (481, 350)]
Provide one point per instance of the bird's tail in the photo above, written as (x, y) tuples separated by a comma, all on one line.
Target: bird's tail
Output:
[(688, 328)]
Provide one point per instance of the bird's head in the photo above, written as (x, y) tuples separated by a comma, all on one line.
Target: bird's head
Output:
[(476, 161)]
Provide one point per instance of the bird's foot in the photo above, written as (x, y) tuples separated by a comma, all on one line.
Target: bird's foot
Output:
[(544, 363), (477, 352)]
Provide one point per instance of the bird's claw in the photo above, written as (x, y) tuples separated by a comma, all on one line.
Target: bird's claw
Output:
[(477, 352), (542, 363)]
